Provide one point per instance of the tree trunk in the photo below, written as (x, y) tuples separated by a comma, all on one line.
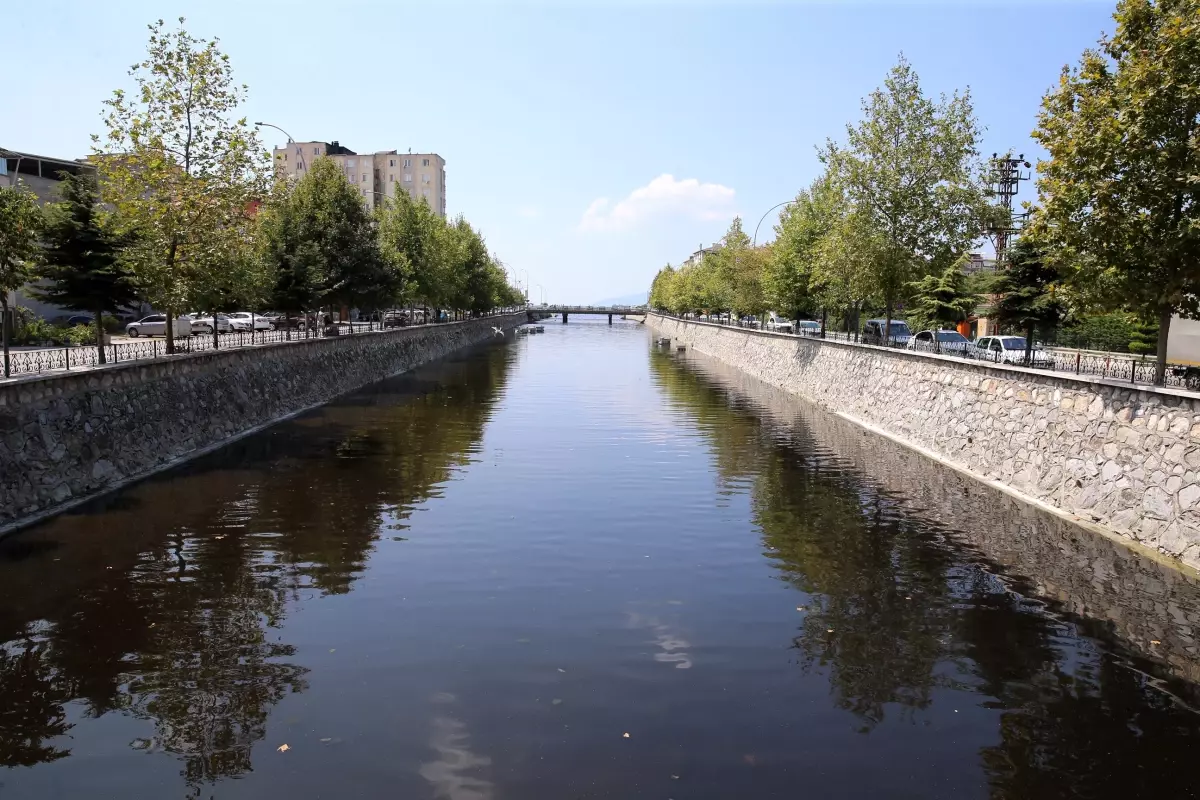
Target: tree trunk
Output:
[(170, 333), (824, 317), (5, 324), (1164, 330), (1029, 344), (100, 336), (887, 325)]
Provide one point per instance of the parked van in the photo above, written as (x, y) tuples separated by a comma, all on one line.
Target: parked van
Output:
[(872, 332)]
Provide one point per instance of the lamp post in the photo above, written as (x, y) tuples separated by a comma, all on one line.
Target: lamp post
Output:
[(290, 140), (541, 289), (764, 216)]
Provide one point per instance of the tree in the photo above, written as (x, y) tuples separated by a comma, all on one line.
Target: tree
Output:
[(181, 169), (661, 289), (82, 266), (321, 246), (410, 233), (911, 167), (1119, 195), (943, 299), (20, 226), (843, 259), (1026, 292)]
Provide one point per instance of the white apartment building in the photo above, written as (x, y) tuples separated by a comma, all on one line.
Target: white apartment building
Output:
[(375, 175)]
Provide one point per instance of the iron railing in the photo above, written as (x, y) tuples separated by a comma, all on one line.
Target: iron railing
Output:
[(65, 359), (1127, 368)]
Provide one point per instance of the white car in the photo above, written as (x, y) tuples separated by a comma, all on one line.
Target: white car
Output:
[(156, 325), (203, 323), (251, 322), (1010, 350), (774, 323)]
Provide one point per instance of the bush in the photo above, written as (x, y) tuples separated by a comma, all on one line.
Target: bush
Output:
[(1111, 332), (111, 324), (33, 331), (78, 335)]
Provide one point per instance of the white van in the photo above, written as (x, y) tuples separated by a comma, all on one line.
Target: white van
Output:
[(774, 323)]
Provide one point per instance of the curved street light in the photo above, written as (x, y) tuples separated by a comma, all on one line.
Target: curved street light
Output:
[(276, 127), (764, 216)]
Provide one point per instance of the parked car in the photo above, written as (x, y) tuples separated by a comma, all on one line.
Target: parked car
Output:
[(70, 321), (775, 323), (1010, 350), (950, 343), (156, 325), (395, 319), (872, 332), (252, 322), (203, 323), (808, 327)]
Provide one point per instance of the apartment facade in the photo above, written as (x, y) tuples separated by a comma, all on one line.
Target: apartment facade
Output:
[(375, 175)]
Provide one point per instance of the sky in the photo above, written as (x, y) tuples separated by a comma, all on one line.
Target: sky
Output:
[(590, 142)]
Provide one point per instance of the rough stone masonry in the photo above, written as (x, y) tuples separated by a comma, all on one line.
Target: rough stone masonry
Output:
[(70, 436), (1124, 457)]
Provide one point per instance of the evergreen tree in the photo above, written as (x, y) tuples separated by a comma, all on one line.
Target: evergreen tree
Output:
[(82, 267), (1026, 292), (944, 299)]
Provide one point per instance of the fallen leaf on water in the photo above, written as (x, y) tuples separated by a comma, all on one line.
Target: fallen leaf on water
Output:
[(283, 748), (625, 735), (1155, 641), (333, 649), (560, 669), (556, 701), (522, 641), (830, 630), (674, 777), (800, 608), (327, 739)]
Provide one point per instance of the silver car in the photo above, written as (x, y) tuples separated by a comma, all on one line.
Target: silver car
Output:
[(156, 325), (244, 320)]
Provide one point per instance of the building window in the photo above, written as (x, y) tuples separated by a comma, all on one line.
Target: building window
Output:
[(425, 192), (285, 156), (407, 163), (408, 177), (391, 162), (391, 178), (364, 177), (299, 152), (316, 151), (353, 178), (349, 162), (425, 162)]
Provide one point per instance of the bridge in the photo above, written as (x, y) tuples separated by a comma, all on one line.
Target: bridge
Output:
[(567, 310)]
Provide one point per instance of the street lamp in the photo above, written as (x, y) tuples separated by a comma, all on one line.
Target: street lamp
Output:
[(276, 127), (764, 216), (542, 289)]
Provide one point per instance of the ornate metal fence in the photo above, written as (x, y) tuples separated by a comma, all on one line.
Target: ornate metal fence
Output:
[(65, 359)]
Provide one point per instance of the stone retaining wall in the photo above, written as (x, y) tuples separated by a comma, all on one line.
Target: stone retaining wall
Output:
[(1126, 458), (70, 436)]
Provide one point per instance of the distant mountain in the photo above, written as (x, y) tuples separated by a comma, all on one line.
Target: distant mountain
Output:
[(624, 300)]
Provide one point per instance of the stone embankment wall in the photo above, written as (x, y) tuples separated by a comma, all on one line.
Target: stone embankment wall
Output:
[(1151, 605), (1126, 458), (70, 436)]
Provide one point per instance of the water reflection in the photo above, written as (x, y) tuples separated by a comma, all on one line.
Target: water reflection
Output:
[(167, 601), (920, 579)]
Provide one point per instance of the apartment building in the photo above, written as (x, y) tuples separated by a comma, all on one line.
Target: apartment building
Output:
[(375, 175)]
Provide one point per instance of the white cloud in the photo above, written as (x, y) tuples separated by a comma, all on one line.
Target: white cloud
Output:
[(663, 196), (529, 212)]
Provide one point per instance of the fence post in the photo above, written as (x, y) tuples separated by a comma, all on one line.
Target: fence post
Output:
[(67, 357), (155, 343), (1133, 371), (1078, 356)]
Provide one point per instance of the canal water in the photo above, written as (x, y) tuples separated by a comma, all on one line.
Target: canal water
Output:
[(578, 566)]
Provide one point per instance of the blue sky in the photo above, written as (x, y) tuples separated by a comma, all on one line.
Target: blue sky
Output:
[(591, 142)]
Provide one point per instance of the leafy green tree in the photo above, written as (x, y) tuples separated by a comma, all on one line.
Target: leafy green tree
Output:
[(943, 299), (411, 235), (21, 223), (320, 243), (788, 277), (1026, 292), (843, 259), (911, 167), (181, 169), (82, 269), (1119, 195), (661, 289)]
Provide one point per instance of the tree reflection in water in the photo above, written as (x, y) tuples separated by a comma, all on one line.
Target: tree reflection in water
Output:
[(920, 579), (165, 601)]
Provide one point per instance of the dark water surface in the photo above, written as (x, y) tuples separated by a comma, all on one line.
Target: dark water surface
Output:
[(573, 566)]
